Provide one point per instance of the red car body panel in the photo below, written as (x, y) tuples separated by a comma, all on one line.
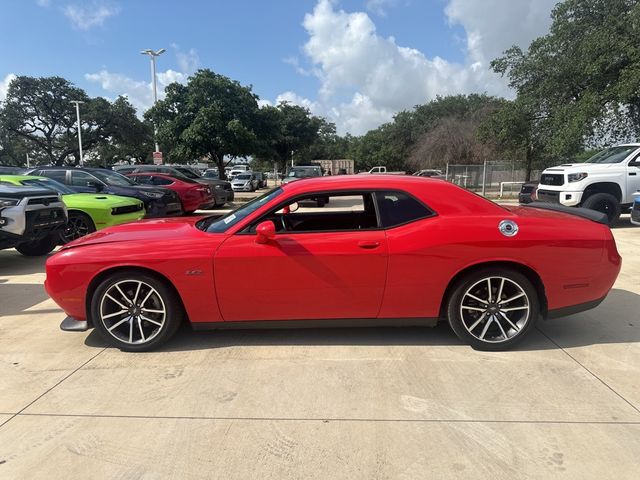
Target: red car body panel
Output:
[(192, 195), (229, 277)]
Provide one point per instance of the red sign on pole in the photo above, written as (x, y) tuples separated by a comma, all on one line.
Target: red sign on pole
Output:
[(157, 158)]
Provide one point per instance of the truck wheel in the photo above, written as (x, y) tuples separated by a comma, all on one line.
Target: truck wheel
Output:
[(38, 248), (604, 203)]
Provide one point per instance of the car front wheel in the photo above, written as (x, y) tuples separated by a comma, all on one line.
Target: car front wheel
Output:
[(78, 225), (135, 311), (492, 309)]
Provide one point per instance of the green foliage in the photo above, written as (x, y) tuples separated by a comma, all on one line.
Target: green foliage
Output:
[(38, 117), (212, 116), (287, 130), (579, 83)]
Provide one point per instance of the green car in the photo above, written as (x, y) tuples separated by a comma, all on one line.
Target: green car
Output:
[(88, 212)]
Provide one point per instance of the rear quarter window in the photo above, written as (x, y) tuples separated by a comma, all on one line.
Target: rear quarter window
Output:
[(397, 208)]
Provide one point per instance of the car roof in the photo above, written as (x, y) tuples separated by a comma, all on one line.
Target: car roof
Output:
[(359, 182)]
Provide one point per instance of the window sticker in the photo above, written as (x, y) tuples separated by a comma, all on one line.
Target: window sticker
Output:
[(229, 219)]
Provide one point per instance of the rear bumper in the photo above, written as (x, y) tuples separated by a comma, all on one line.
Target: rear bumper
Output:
[(573, 309)]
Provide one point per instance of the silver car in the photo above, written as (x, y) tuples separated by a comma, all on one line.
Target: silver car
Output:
[(244, 182)]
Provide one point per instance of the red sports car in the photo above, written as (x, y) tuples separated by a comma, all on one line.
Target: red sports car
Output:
[(383, 251), (193, 195)]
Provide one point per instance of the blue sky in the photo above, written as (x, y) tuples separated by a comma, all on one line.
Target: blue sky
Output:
[(355, 61)]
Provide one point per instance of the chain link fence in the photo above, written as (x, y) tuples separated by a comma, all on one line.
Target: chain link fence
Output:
[(492, 179)]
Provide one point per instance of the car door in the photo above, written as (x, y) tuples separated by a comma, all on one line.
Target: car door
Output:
[(633, 178), (84, 182), (302, 275)]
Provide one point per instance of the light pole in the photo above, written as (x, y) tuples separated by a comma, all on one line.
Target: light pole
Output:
[(153, 54), (77, 104)]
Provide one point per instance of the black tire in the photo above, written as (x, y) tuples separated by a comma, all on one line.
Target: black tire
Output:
[(78, 225), (473, 322), (37, 248), (164, 297), (321, 201), (604, 203)]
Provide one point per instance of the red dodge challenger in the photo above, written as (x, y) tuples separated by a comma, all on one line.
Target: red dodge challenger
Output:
[(382, 250)]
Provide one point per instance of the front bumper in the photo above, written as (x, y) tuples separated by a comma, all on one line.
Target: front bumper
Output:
[(242, 188), (70, 324), (635, 213), (159, 208), (113, 220), (568, 199)]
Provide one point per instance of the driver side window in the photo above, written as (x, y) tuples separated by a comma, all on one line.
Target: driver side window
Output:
[(325, 213)]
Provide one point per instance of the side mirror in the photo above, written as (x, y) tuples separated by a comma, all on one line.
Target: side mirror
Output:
[(98, 186), (265, 231)]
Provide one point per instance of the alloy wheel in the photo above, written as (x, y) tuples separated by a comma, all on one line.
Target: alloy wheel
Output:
[(132, 311), (76, 227), (495, 309)]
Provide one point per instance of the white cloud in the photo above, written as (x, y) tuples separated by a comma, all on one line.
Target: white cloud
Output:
[(87, 16), (187, 61), (43, 3), (4, 85), (352, 61), (380, 7), (139, 93), (492, 26)]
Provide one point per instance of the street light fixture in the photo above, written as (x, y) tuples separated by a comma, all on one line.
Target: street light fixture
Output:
[(153, 54), (77, 104)]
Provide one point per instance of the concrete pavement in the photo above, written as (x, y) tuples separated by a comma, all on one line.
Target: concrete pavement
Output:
[(350, 403)]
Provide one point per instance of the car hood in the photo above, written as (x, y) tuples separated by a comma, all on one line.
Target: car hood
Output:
[(164, 230), (583, 167), (93, 200)]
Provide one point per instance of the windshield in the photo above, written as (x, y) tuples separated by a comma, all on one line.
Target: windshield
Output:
[(303, 173), (49, 184), (243, 177), (112, 178), (211, 174), (222, 224), (612, 155)]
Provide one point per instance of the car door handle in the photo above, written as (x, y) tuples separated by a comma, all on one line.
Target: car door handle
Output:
[(632, 173), (369, 244)]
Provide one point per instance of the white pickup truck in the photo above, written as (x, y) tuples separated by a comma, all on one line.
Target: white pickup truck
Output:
[(606, 182), (382, 169)]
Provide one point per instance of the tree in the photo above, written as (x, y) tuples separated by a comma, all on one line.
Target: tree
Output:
[(287, 130), (38, 114), (580, 82), (212, 116)]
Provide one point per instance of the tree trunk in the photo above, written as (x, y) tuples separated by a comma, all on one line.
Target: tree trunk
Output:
[(219, 159), (528, 162)]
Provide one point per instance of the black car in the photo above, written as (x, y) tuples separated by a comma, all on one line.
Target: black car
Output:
[(158, 201), (221, 189), (528, 192)]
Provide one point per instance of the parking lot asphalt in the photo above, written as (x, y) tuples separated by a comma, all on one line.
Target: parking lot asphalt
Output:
[(349, 403)]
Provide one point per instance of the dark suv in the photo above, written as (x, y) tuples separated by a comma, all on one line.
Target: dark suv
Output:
[(221, 189), (158, 201)]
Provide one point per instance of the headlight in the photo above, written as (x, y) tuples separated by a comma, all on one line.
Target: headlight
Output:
[(218, 187), (153, 194), (8, 202), (576, 177)]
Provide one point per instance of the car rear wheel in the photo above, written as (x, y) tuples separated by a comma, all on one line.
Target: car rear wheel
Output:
[(37, 248), (78, 225), (492, 309), (135, 311), (604, 203)]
